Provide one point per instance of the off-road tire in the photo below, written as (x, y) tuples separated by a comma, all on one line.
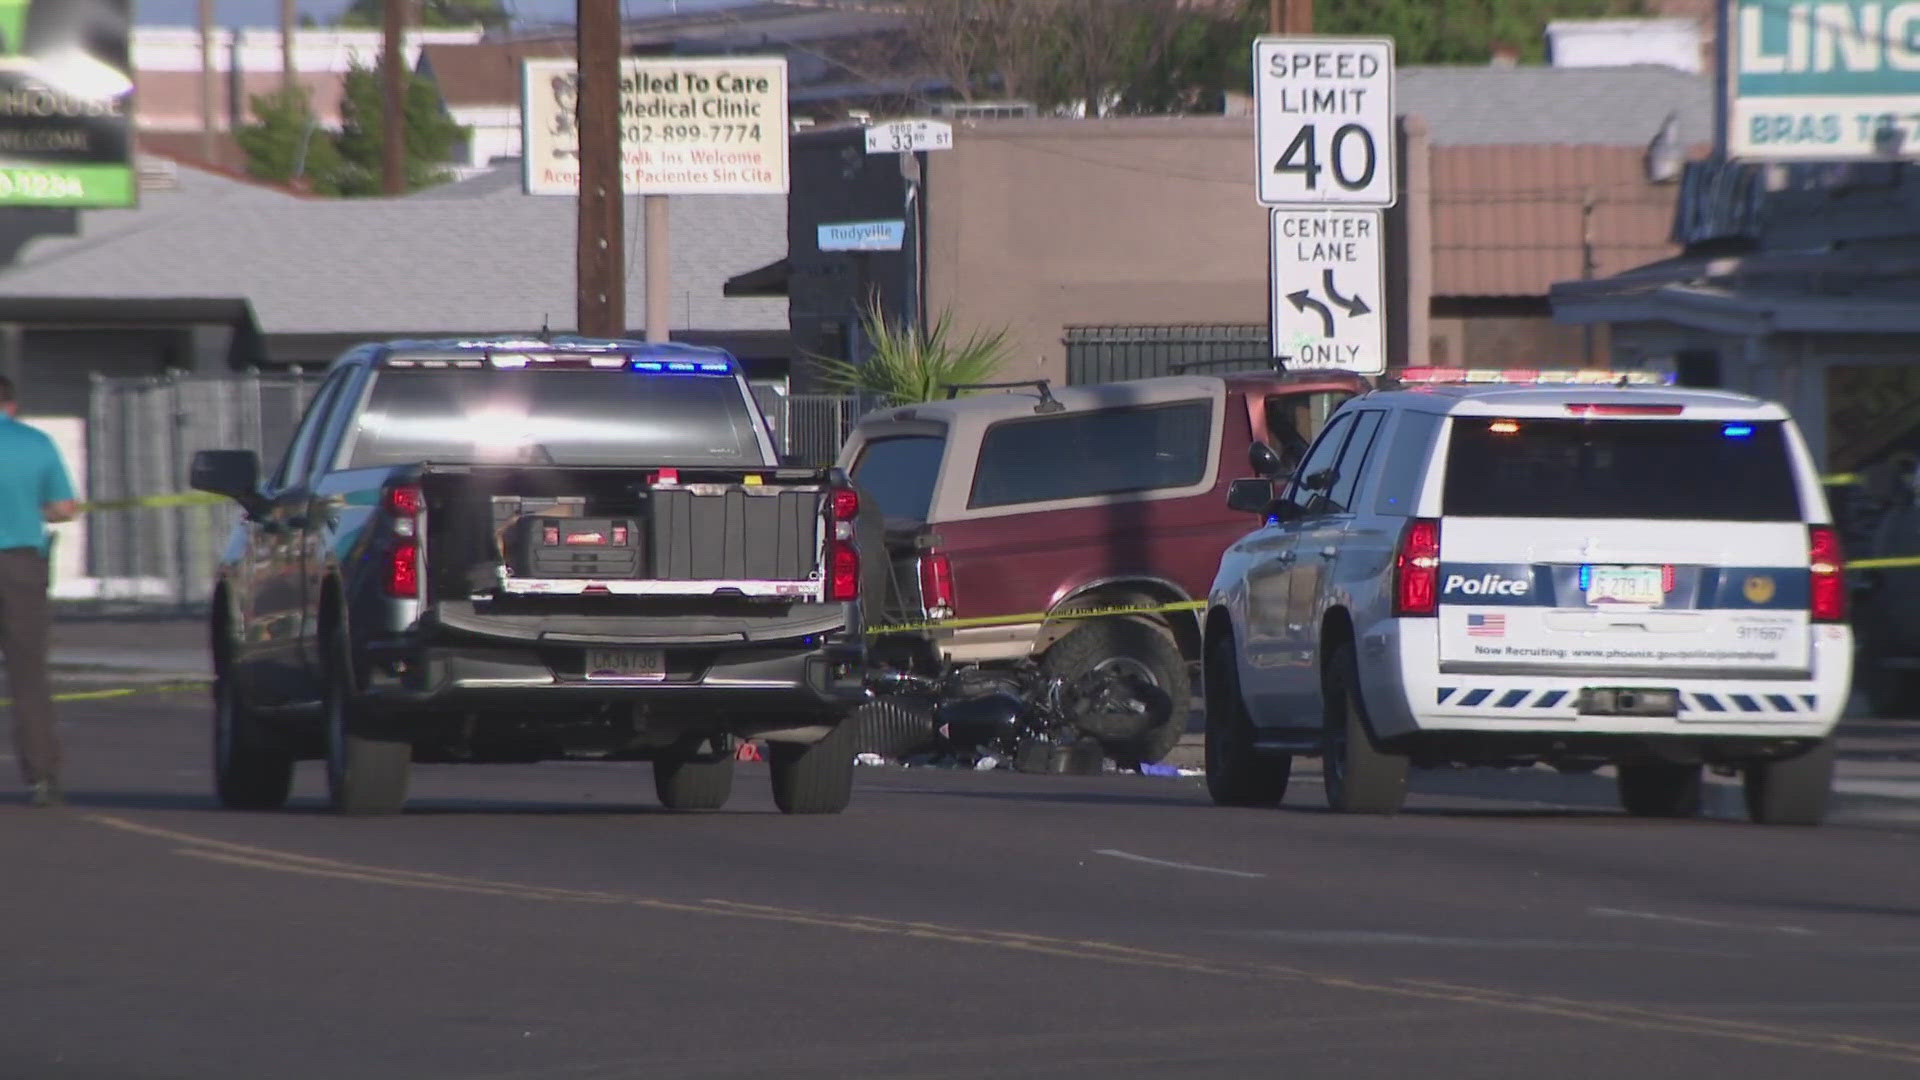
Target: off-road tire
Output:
[(1661, 789), (250, 771), (1791, 791), (816, 779), (696, 776), (1360, 777), (1236, 774), (364, 775), (1151, 648)]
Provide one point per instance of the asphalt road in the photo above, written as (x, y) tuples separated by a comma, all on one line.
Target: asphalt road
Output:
[(550, 922)]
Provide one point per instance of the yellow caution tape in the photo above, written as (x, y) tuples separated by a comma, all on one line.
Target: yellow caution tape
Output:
[(1037, 616), (154, 502), (123, 691), (1840, 479), (1888, 563)]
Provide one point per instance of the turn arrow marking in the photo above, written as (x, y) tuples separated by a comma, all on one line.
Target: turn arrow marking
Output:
[(1355, 307), (1302, 300)]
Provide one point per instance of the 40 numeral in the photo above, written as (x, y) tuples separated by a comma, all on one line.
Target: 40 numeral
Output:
[(1349, 141)]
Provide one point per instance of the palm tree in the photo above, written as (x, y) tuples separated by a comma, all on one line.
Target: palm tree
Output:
[(905, 366)]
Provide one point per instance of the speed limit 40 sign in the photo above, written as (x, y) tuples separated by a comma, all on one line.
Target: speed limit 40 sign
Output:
[(1323, 109)]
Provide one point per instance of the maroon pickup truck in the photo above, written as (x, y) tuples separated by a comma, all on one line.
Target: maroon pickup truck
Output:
[(1005, 511)]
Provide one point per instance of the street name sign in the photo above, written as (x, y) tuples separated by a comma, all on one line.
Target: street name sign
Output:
[(909, 136), (1329, 290), (1323, 113)]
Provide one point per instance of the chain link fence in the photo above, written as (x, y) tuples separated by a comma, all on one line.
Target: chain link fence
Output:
[(141, 436)]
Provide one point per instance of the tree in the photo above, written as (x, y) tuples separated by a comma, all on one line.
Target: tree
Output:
[(491, 14), (1464, 31), (286, 142), (431, 135), (905, 366)]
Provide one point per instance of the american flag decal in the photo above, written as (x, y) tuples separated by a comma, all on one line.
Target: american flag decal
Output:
[(1486, 626)]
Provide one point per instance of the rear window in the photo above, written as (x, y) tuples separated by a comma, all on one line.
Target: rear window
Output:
[(555, 418), (898, 474), (1658, 469), (1101, 452)]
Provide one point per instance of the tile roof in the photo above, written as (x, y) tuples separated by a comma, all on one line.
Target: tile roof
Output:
[(482, 258), (1512, 220), (485, 73), (1617, 106)]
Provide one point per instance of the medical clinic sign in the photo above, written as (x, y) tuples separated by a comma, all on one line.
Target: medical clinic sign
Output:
[(710, 126), (1827, 81)]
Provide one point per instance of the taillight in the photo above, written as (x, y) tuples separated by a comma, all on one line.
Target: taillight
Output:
[(1828, 571), (405, 504), (1416, 570), (403, 570), (936, 586), (846, 504), (843, 558)]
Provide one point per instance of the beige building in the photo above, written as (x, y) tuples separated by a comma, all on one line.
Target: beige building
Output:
[(1113, 248)]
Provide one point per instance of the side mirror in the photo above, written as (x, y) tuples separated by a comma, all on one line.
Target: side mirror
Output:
[(1264, 461), (1250, 496), (232, 473)]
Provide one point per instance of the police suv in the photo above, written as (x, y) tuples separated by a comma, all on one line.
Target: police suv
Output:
[(1517, 567)]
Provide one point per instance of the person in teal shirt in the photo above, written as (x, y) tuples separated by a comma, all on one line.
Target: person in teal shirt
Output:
[(34, 492)]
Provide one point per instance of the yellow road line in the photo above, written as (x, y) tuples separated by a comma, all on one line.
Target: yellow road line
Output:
[(124, 691), (1610, 1014)]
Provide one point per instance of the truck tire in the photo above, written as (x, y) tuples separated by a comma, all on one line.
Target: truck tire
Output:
[(1146, 652), (364, 776), (1791, 791), (1360, 777), (698, 776), (816, 779), (1660, 789), (250, 772), (1236, 774)]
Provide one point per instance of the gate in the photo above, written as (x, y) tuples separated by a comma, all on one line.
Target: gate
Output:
[(1102, 354), (155, 543)]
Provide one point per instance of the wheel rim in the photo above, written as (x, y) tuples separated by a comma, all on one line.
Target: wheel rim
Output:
[(1336, 738), (336, 742), (1111, 699), (223, 734)]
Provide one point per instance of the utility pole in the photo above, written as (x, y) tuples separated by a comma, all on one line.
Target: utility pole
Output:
[(1289, 16), (393, 127), (289, 17), (601, 271), (209, 147)]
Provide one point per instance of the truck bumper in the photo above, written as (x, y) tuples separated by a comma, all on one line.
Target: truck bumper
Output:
[(765, 687)]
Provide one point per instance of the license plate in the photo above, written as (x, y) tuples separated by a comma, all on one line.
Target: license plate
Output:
[(1625, 701), (1626, 585), (630, 665)]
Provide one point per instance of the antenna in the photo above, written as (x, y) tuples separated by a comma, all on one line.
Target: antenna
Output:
[(546, 334)]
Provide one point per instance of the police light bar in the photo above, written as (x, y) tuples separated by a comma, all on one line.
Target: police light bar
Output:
[(1443, 376)]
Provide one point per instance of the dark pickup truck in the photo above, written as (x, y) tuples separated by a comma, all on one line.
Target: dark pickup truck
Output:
[(519, 550), (1008, 513)]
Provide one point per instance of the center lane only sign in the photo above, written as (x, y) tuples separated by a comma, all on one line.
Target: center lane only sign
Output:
[(1329, 284), (705, 126), (1323, 110)]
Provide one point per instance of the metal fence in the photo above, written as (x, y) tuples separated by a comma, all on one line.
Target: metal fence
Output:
[(141, 438), (1102, 354), (810, 428)]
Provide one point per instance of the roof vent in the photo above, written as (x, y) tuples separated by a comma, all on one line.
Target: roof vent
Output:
[(159, 174)]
